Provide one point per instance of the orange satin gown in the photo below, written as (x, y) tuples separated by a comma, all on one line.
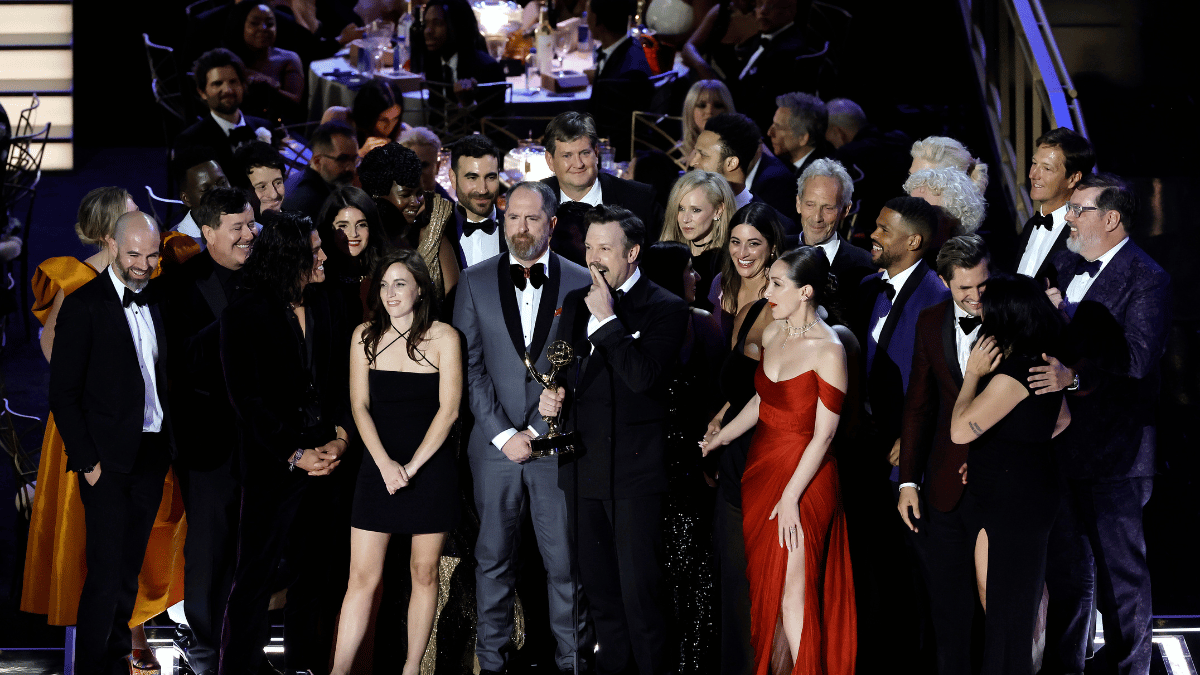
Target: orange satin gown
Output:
[(55, 564), (786, 417)]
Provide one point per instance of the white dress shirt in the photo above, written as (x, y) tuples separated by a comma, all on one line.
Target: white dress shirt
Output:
[(480, 245), (1081, 282), (1040, 243), (830, 247), (226, 125), (796, 164), (145, 342), (897, 283), (187, 225), (963, 341), (594, 197), (753, 174), (766, 40), (528, 300), (594, 324)]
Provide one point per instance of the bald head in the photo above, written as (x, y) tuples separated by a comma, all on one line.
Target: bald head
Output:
[(135, 246)]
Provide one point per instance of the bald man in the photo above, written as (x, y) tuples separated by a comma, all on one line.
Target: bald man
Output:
[(108, 395)]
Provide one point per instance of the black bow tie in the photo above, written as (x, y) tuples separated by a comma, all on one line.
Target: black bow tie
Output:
[(1039, 220), (487, 226), (889, 290), (129, 297), (536, 275), (1089, 268), (618, 295), (969, 323)]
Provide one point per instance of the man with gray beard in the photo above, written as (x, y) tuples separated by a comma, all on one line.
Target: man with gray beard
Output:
[(508, 307)]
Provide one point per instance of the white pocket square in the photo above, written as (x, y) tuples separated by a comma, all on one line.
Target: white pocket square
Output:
[(636, 334)]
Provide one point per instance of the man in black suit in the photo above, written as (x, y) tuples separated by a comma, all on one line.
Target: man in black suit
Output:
[(797, 130), (730, 145), (221, 84), (619, 56), (1062, 158), (108, 385), (475, 178), (572, 153), (931, 487), (197, 294), (877, 160), (333, 164), (826, 194), (627, 333), (782, 59)]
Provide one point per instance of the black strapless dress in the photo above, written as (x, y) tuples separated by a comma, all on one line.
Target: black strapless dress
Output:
[(402, 406)]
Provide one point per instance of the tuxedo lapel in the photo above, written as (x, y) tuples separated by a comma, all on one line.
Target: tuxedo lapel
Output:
[(902, 296), (950, 345), (546, 308), (508, 305), (210, 287)]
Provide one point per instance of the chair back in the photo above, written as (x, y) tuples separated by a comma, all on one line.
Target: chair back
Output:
[(451, 118)]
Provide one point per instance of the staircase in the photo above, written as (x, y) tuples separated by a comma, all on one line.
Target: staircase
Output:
[(36, 58)]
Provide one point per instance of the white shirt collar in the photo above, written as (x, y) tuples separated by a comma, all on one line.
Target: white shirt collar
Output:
[(545, 260), (743, 198), (633, 279), (803, 157), (120, 285), (593, 198), (188, 226), (959, 312), (226, 125), (472, 218), (898, 281), (1109, 254), (753, 172)]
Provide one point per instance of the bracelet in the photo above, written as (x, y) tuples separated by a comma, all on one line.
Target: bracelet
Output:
[(295, 458), (911, 485)]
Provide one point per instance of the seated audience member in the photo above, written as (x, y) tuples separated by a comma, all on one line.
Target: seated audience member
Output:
[(264, 169), (1061, 158), (878, 161), (1009, 428), (698, 213), (391, 174), (197, 172), (220, 82), (455, 52), (705, 99), (756, 240), (711, 51), (316, 39), (954, 192), (475, 177), (777, 66), (572, 153), (376, 114), (937, 152), (826, 195), (331, 25), (730, 145), (351, 236), (274, 76), (797, 130), (619, 55), (428, 147), (333, 164)]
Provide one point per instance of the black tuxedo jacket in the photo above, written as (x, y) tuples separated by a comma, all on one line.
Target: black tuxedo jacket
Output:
[(1046, 271), (781, 68), (206, 430), (308, 194), (926, 452), (627, 60), (97, 393), (821, 151), (205, 132), (267, 386), (851, 265), (459, 219), (619, 395), (567, 239), (775, 184)]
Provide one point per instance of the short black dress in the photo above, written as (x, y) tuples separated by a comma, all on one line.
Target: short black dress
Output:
[(1012, 493), (403, 406)]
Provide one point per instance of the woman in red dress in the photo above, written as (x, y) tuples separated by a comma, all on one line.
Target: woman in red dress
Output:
[(797, 560)]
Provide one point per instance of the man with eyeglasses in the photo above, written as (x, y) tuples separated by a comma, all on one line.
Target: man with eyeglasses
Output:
[(1117, 299), (334, 163)]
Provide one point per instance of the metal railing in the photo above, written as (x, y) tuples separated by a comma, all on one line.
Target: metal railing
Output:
[(1025, 86)]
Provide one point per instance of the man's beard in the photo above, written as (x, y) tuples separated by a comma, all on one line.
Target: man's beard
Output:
[(128, 279), (525, 247)]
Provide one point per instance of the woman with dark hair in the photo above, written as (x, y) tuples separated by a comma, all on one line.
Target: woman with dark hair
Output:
[(292, 408), (346, 223), (376, 113), (407, 483), (274, 76), (1013, 489), (755, 242), (392, 175), (797, 558), (455, 51), (688, 509)]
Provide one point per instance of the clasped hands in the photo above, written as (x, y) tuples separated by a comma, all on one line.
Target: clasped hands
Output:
[(321, 461)]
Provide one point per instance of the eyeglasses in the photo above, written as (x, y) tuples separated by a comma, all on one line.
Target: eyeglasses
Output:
[(341, 160), (1076, 209)]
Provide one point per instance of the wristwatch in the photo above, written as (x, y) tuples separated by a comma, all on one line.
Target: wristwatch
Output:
[(295, 458), (1074, 383)]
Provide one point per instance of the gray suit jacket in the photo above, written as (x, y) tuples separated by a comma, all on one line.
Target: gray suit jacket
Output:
[(500, 391)]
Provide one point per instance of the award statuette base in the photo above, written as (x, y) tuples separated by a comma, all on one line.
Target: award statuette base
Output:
[(554, 444)]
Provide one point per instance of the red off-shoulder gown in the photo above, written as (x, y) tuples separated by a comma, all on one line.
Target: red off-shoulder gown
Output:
[(786, 417)]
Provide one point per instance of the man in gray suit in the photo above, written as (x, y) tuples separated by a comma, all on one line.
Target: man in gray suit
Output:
[(506, 307)]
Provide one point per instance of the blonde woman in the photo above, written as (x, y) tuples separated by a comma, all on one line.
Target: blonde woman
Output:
[(937, 152), (706, 98), (953, 191), (698, 213)]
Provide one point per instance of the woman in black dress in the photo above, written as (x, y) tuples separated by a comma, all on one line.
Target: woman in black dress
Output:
[(1012, 491), (405, 376), (698, 213)]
